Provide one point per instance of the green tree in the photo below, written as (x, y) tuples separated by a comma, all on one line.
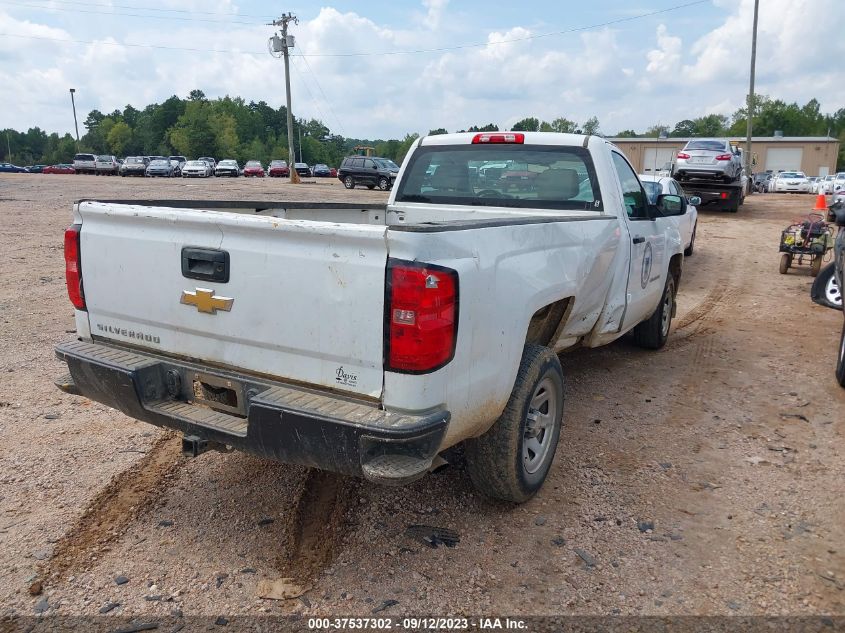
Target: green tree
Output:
[(192, 135), (119, 138), (437, 131), (528, 124), (684, 128), (626, 134), (591, 126)]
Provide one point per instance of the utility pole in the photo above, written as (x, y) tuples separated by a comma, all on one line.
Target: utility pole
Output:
[(748, 156), (75, 124), (285, 44)]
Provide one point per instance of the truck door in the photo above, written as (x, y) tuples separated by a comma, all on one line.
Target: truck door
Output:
[(647, 270)]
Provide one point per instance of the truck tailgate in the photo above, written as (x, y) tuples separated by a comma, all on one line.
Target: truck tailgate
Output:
[(307, 297)]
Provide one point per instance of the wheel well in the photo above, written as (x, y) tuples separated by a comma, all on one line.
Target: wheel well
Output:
[(675, 266), (547, 322)]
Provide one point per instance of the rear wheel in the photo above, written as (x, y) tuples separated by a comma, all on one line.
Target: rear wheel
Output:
[(654, 332), (371, 187), (349, 182), (785, 263), (512, 459)]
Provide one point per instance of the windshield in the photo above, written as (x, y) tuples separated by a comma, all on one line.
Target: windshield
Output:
[(134, 159), (253, 163), (104, 159), (713, 146), (159, 163), (521, 176), (789, 174), (196, 163), (385, 163), (228, 163), (279, 163)]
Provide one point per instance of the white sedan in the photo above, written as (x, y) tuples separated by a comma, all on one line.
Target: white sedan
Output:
[(196, 169), (791, 181), (688, 222)]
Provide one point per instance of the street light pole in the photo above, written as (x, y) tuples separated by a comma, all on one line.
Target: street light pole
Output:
[(75, 124), (750, 108)]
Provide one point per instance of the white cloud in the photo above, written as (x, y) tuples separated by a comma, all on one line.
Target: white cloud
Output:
[(434, 13), (665, 59)]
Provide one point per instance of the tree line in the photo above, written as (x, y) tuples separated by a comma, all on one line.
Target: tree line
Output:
[(230, 127)]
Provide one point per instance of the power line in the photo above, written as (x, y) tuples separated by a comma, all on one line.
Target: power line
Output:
[(131, 15), (135, 7), (380, 53), (310, 94), (325, 98)]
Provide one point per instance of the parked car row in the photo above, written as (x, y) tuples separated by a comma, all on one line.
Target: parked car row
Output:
[(789, 181)]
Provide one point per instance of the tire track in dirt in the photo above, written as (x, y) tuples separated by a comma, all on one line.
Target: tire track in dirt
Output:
[(110, 512), (318, 524)]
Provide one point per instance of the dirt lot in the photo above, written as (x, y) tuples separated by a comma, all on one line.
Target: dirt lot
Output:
[(729, 441)]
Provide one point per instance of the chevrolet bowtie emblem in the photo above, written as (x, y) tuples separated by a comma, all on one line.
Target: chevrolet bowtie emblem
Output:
[(206, 301)]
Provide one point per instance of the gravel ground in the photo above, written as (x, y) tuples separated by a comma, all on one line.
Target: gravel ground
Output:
[(702, 479)]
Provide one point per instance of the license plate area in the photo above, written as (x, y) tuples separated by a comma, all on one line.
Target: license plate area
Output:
[(220, 394)]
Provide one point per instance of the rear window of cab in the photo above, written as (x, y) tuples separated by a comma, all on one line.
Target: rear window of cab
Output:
[(502, 175)]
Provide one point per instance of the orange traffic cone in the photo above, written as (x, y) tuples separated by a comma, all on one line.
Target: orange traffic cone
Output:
[(821, 203)]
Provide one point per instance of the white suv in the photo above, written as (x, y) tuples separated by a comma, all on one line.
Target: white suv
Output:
[(85, 164)]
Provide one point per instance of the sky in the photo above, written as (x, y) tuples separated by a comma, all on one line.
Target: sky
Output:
[(384, 68)]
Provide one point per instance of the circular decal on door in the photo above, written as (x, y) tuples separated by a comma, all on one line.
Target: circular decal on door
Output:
[(646, 273)]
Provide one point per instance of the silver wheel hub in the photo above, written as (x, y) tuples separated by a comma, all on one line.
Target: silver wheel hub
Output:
[(832, 291), (543, 414), (666, 316)]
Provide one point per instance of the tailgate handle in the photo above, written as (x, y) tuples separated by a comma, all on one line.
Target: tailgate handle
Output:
[(205, 264)]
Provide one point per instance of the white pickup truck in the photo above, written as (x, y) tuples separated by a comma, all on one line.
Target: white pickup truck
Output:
[(365, 339)]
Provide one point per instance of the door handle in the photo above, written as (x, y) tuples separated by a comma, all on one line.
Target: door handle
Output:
[(205, 264), (639, 240)]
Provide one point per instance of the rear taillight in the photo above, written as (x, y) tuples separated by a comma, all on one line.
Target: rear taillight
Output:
[(73, 267), (507, 137), (724, 157), (683, 155), (422, 316)]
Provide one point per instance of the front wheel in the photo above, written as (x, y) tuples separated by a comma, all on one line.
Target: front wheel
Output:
[(654, 332), (383, 183), (349, 182), (689, 249), (512, 459), (785, 263)]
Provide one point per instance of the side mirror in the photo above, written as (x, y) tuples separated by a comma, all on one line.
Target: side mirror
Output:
[(694, 201), (671, 205)]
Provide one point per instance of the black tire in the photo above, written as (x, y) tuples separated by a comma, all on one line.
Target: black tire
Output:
[(840, 362), (815, 265), (383, 183), (371, 187), (785, 263), (349, 182), (499, 462), (654, 332), (689, 249)]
